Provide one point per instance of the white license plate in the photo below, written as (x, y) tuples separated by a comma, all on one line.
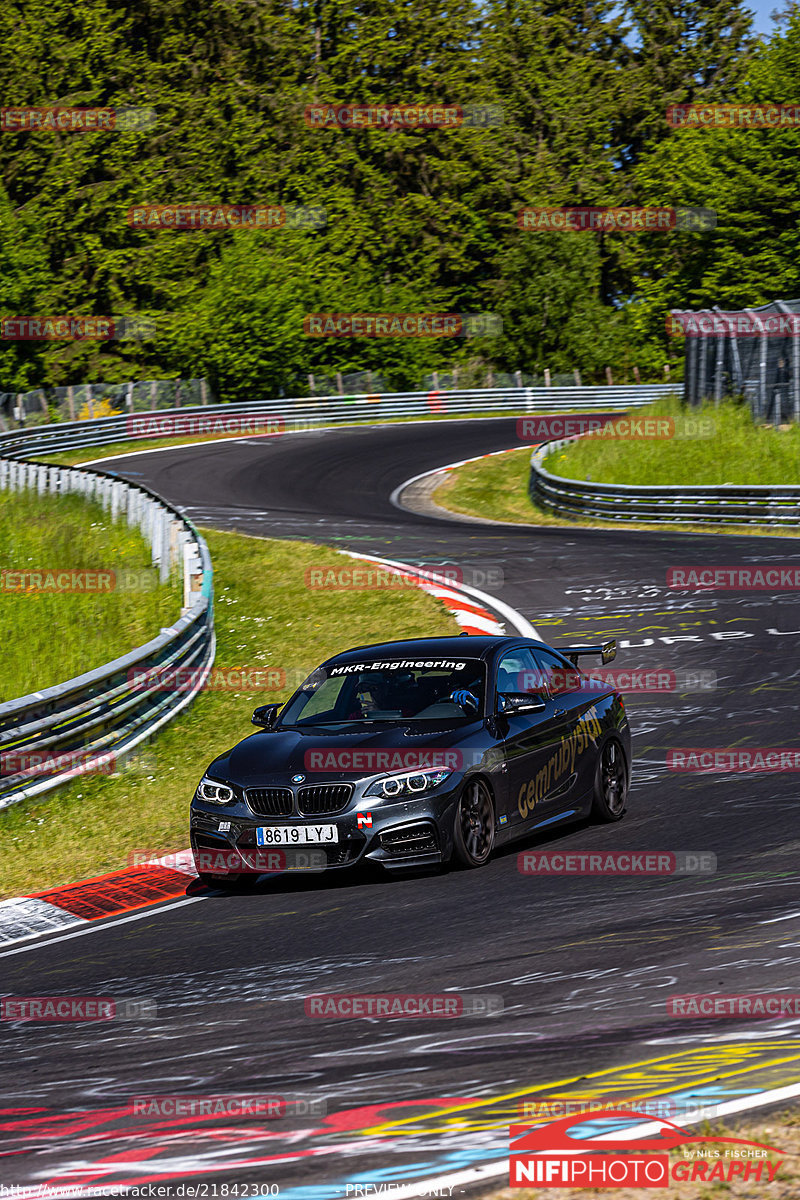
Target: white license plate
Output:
[(295, 835)]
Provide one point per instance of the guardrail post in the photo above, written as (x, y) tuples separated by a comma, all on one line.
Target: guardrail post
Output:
[(192, 574), (166, 530)]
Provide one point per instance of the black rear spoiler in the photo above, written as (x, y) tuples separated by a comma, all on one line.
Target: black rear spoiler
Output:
[(607, 652)]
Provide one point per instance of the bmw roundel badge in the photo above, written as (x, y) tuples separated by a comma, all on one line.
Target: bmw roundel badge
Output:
[(298, 778)]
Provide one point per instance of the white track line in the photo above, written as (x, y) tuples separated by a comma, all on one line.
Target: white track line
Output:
[(97, 926)]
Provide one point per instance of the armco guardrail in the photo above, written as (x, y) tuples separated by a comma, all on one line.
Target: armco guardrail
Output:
[(96, 719), (724, 504), (299, 413)]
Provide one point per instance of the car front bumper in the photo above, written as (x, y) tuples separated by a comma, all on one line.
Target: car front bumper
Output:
[(411, 832)]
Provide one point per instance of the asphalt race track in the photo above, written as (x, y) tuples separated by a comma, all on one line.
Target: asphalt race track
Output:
[(583, 965)]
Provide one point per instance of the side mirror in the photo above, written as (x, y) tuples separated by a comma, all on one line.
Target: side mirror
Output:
[(519, 702), (265, 715)]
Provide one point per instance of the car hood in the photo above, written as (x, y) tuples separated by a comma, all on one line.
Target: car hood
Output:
[(274, 756)]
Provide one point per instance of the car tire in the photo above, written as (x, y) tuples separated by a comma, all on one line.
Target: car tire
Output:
[(611, 778), (474, 825)]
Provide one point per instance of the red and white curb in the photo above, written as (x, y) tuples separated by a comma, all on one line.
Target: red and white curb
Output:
[(163, 879), (475, 611), (78, 904), (445, 470)]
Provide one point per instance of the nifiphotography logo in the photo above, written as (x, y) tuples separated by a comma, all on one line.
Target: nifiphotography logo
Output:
[(553, 1155)]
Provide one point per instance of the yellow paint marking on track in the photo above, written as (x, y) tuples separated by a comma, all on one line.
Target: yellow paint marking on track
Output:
[(627, 1077)]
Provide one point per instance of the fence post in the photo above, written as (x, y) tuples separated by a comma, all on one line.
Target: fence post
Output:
[(701, 373), (153, 394), (576, 375), (339, 386), (71, 401), (547, 377), (609, 377)]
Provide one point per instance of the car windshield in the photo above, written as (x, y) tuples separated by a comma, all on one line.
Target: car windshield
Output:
[(416, 690)]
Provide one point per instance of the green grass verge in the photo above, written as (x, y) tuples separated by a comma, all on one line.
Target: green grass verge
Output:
[(265, 617), (47, 636), (737, 451)]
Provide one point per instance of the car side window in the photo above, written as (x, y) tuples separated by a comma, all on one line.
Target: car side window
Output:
[(559, 677), (518, 672)]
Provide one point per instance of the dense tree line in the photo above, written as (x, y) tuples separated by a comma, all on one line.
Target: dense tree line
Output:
[(417, 219)]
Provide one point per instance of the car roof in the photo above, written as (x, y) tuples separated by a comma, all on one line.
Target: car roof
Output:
[(471, 646)]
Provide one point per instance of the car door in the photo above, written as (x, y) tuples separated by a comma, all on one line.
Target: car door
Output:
[(531, 740), (571, 773)]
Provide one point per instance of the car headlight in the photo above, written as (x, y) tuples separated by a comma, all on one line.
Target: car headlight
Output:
[(213, 792), (412, 783)]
